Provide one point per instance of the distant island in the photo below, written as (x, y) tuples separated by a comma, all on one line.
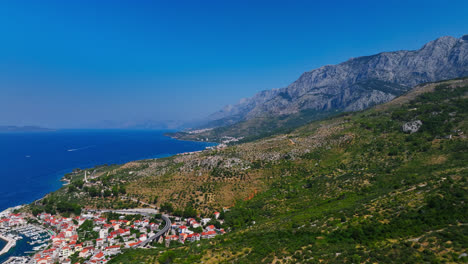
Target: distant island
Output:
[(23, 129)]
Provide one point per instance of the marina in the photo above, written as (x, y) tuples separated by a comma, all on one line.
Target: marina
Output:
[(17, 260), (11, 242), (33, 238)]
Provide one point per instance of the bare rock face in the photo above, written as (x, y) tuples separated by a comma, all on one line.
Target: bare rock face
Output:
[(357, 83), (412, 127)]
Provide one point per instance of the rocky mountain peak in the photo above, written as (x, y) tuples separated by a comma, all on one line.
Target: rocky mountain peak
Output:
[(357, 83)]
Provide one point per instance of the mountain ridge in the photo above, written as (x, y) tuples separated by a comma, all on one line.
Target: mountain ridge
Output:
[(345, 86), (10, 129)]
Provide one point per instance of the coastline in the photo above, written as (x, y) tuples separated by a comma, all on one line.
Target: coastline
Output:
[(11, 243), (136, 142)]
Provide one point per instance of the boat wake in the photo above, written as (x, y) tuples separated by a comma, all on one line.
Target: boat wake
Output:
[(77, 149)]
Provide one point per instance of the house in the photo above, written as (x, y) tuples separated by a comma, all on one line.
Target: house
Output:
[(208, 234), (154, 226), (193, 237), (195, 224), (103, 233), (66, 252), (133, 244), (78, 247), (45, 260), (143, 237), (210, 228), (172, 237), (100, 221), (217, 214), (111, 240), (53, 253), (112, 250), (123, 232), (182, 238), (205, 221), (99, 242), (86, 252), (182, 229), (88, 243), (100, 255)]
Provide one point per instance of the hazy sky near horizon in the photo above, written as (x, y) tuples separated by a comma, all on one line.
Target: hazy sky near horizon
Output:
[(76, 63)]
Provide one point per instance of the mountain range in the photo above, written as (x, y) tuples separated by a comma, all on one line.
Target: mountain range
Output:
[(355, 84), (23, 129)]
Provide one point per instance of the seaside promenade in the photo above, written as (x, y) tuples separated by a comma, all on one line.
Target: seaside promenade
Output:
[(10, 243)]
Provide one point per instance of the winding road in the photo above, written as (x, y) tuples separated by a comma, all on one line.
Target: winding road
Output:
[(146, 212), (158, 234)]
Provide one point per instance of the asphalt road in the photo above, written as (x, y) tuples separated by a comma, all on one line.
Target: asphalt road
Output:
[(160, 233), (147, 212)]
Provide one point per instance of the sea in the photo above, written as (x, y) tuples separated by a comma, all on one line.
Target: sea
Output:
[(32, 163)]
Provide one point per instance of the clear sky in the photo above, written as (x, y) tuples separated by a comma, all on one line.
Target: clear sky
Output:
[(76, 63)]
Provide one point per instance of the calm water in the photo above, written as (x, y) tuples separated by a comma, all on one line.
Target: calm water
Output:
[(20, 249), (31, 164)]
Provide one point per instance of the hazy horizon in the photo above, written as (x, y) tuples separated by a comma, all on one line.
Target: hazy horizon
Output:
[(82, 64)]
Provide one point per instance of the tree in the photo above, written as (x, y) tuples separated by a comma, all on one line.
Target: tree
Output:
[(189, 212), (122, 189), (167, 257), (167, 207), (214, 222), (107, 193), (78, 183), (94, 192)]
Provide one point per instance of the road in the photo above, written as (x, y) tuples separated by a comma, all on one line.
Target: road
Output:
[(147, 212), (160, 233), (141, 211), (147, 204)]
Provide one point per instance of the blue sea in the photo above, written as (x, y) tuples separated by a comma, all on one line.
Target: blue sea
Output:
[(22, 246), (31, 164)]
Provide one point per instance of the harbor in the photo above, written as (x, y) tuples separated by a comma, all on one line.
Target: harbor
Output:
[(10, 243), (22, 240)]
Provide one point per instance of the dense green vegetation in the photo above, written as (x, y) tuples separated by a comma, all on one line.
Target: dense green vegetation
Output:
[(379, 195), (86, 232), (104, 191)]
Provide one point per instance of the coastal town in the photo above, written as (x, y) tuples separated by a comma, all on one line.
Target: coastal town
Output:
[(96, 236)]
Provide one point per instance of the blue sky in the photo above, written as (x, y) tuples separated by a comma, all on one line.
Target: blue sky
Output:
[(73, 63)]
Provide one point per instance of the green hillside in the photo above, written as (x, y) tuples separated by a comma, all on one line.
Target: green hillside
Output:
[(354, 188), (370, 193)]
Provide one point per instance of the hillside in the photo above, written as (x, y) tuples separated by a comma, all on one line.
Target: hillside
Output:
[(353, 85), (352, 188)]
